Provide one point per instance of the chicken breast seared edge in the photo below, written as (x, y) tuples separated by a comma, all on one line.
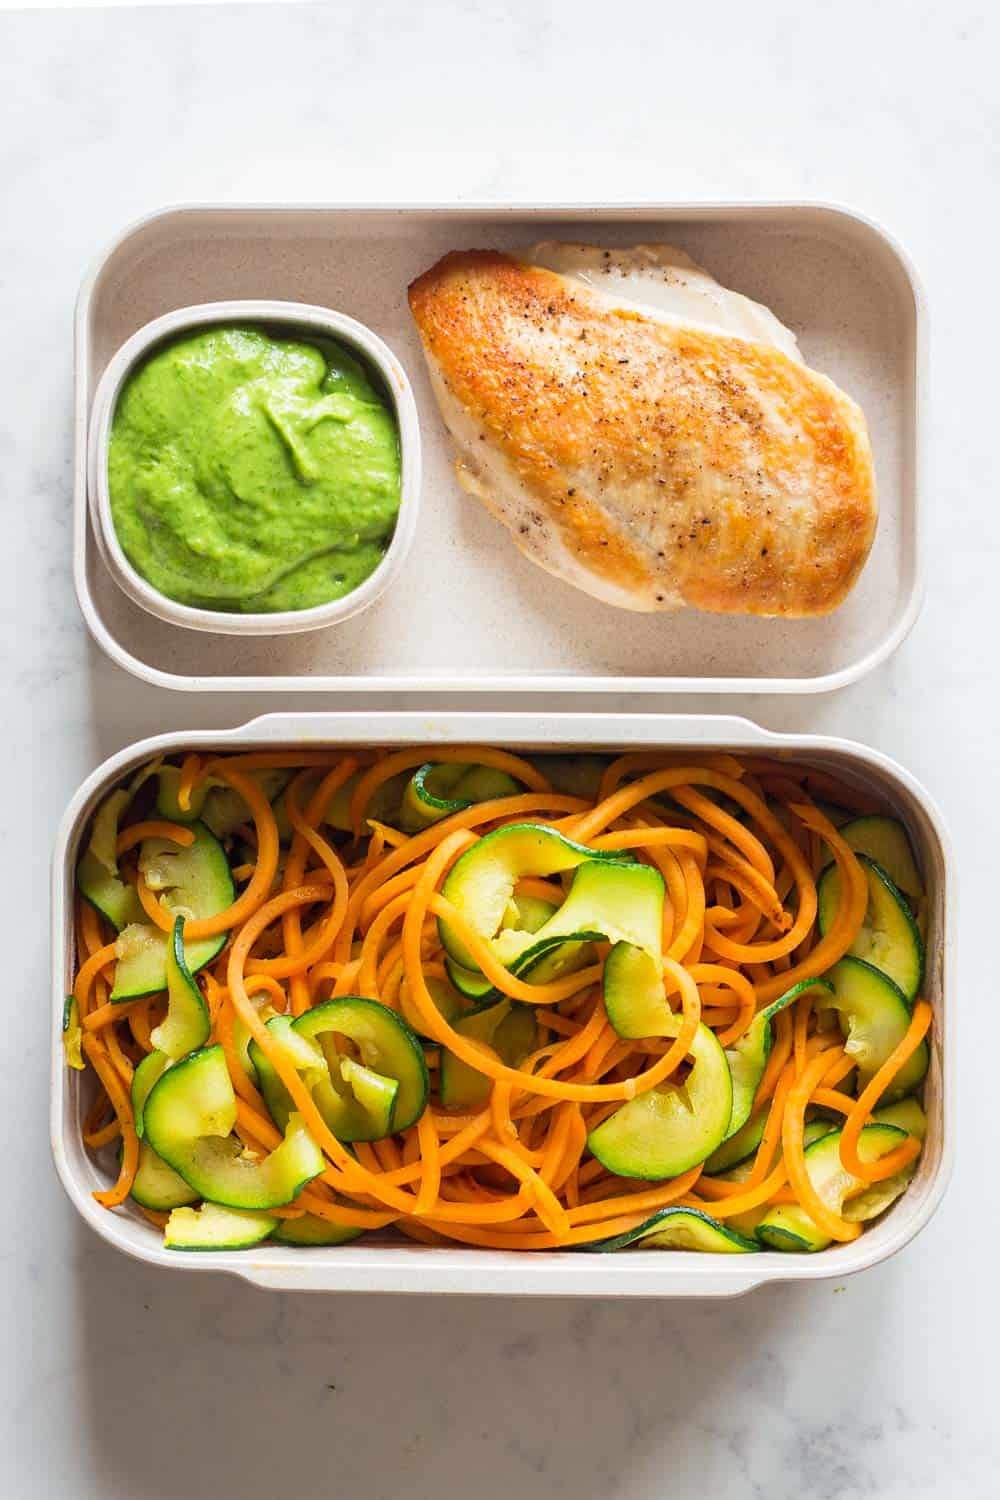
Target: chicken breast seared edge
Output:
[(646, 434)]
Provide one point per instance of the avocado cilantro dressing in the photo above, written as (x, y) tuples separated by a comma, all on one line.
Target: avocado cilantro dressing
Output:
[(251, 473)]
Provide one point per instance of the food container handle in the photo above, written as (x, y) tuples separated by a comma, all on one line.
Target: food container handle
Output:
[(513, 728), (655, 1274)]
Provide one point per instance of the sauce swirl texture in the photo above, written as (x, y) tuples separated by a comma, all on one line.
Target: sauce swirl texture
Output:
[(251, 473)]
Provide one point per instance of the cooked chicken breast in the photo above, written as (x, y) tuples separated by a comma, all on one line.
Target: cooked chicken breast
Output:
[(646, 434)]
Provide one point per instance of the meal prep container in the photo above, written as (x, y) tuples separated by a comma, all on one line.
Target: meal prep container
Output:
[(292, 318), (382, 1263), (467, 611)]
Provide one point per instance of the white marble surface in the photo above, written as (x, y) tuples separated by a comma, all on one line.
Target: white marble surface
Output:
[(119, 1382)]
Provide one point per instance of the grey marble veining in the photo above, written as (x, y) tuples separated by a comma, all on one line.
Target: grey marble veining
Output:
[(125, 1384)]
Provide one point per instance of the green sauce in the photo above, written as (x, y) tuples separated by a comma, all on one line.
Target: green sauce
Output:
[(250, 473)]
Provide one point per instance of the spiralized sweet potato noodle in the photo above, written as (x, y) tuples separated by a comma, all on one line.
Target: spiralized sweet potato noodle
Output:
[(358, 914)]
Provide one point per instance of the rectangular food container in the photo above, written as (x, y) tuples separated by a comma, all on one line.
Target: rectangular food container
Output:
[(468, 612), (380, 1263)]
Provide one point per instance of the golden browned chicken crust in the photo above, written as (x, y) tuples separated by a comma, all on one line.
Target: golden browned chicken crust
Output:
[(651, 463)]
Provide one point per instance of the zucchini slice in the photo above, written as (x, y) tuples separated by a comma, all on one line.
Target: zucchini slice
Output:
[(680, 1229), (186, 1025), (450, 1002), (739, 1146), (634, 997), (195, 882), (470, 982), (242, 1037), (434, 791), (746, 1222), (360, 1101), (510, 1030), (889, 937), (523, 914), (748, 1056), (428, 795), (304, 1056), (614, 902), (225, 809), (370, 1093), (158, 1186), (213, 1227), (874, 1017), (385, 1042), (636, 1005), (886, 842), (72, 1034), (672, 1127), (878, 1196), (310, 1229), (97, 877), (907, 1114), (167, 796), (384, 806), (147, 1073), (789, 1227), (528, 913), (189, 1116), (485, 784), (480, 884), (218, 805)]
